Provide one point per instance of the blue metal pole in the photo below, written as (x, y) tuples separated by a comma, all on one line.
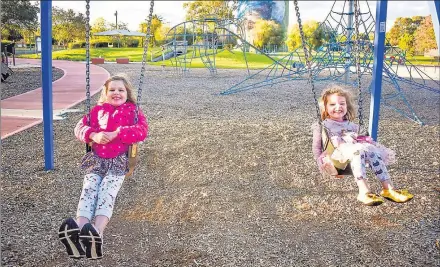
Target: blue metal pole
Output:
[(46, 77), (379, 49)]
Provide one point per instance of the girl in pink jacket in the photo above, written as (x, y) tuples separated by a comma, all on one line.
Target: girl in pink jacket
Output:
[(110, 128)]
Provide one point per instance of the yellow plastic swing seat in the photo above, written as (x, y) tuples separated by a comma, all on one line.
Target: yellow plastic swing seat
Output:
[(343, 168), (133, 158)]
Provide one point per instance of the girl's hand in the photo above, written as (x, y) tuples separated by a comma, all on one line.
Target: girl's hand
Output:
[(327, 166), (112, 135), (100, 138)]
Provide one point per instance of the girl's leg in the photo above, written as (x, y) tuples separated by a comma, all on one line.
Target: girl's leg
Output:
[(358, 166), (88, 199), (359, 172), (380, 169), (91, 235), (110, 186)]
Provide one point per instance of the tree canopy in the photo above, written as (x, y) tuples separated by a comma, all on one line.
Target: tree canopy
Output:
[(155, 30), (267, 32), (402, 33), (315, 35), (22, 14), (67, 26), (200, 9)]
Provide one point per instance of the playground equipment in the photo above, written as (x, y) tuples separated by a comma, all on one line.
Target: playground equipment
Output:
[(334, 62), (201, 38)]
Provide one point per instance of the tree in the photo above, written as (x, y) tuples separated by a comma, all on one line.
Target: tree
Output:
[(21, 14), (425, 36), (67, 26), (314, 35), (200, 9), (121, 25), (100, 25), (267, 32), (160, 34), (402, 32), (156, 24)]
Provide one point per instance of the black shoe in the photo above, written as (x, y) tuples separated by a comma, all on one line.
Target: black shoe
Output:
[(69, 236), (92, 242)]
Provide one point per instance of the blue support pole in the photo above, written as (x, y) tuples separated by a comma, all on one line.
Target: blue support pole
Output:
[(46, 77), (379, 49)]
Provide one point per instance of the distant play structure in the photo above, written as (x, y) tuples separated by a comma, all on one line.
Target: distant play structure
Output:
[(202, 38), (334, 61)]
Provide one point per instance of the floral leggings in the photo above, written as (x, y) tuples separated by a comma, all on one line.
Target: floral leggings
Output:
[(358, 166), (98, 195)]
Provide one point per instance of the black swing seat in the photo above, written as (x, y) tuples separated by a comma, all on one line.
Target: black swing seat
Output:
[(6, 72)]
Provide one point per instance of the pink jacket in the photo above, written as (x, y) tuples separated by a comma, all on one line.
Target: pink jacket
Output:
[(107, 118)]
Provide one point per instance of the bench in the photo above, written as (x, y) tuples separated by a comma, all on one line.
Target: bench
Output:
[(97, 60), (122, 60)]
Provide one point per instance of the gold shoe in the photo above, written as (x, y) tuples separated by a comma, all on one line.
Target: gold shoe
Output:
[(370, 199), (399, 196)]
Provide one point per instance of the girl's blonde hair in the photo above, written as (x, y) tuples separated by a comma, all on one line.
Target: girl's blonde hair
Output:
[(128, 86), (334, 89)]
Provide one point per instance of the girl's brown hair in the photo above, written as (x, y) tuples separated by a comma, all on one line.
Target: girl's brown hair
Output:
[(128, 86), (351, 113)]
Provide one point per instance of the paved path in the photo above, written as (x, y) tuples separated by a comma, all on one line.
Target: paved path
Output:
[(26, 110)]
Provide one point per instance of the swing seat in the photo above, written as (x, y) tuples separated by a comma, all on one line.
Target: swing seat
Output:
[(133, 158), (343, 168)]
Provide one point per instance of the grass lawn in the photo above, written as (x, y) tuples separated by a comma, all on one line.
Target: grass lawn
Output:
[(224, 59)]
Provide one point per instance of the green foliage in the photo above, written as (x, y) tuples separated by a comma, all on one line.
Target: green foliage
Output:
[(76, 45), (155, 29), (67, 26), (267, 32), (202, 9), (98, 44), (160, 34), (224, 59), (100, 25), (18, 15), (402, 33), (121, 25), (314, 35)]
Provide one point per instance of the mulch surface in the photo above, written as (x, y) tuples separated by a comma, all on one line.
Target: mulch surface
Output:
[(228, 181), (24, 80)]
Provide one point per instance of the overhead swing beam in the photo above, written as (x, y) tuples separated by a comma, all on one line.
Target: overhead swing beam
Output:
[(378, 53), (46, 76)]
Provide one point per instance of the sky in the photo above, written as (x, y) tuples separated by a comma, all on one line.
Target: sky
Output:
[(134, 12)]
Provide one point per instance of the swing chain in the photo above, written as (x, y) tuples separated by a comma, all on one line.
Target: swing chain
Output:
[(144, 59), (306, 56), (88, 60), (358, 64)]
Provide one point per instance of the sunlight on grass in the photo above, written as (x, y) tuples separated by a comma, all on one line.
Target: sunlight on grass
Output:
[(224, 59)]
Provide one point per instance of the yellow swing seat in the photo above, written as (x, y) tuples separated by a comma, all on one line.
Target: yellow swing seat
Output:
[(343, 168)]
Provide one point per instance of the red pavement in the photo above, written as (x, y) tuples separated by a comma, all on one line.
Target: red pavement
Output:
[(67, 91)]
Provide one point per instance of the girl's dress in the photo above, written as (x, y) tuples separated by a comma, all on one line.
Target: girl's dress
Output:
[(343, 136)]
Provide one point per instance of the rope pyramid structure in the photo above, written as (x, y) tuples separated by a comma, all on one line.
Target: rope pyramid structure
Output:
[(335, 61), (200, 38)]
